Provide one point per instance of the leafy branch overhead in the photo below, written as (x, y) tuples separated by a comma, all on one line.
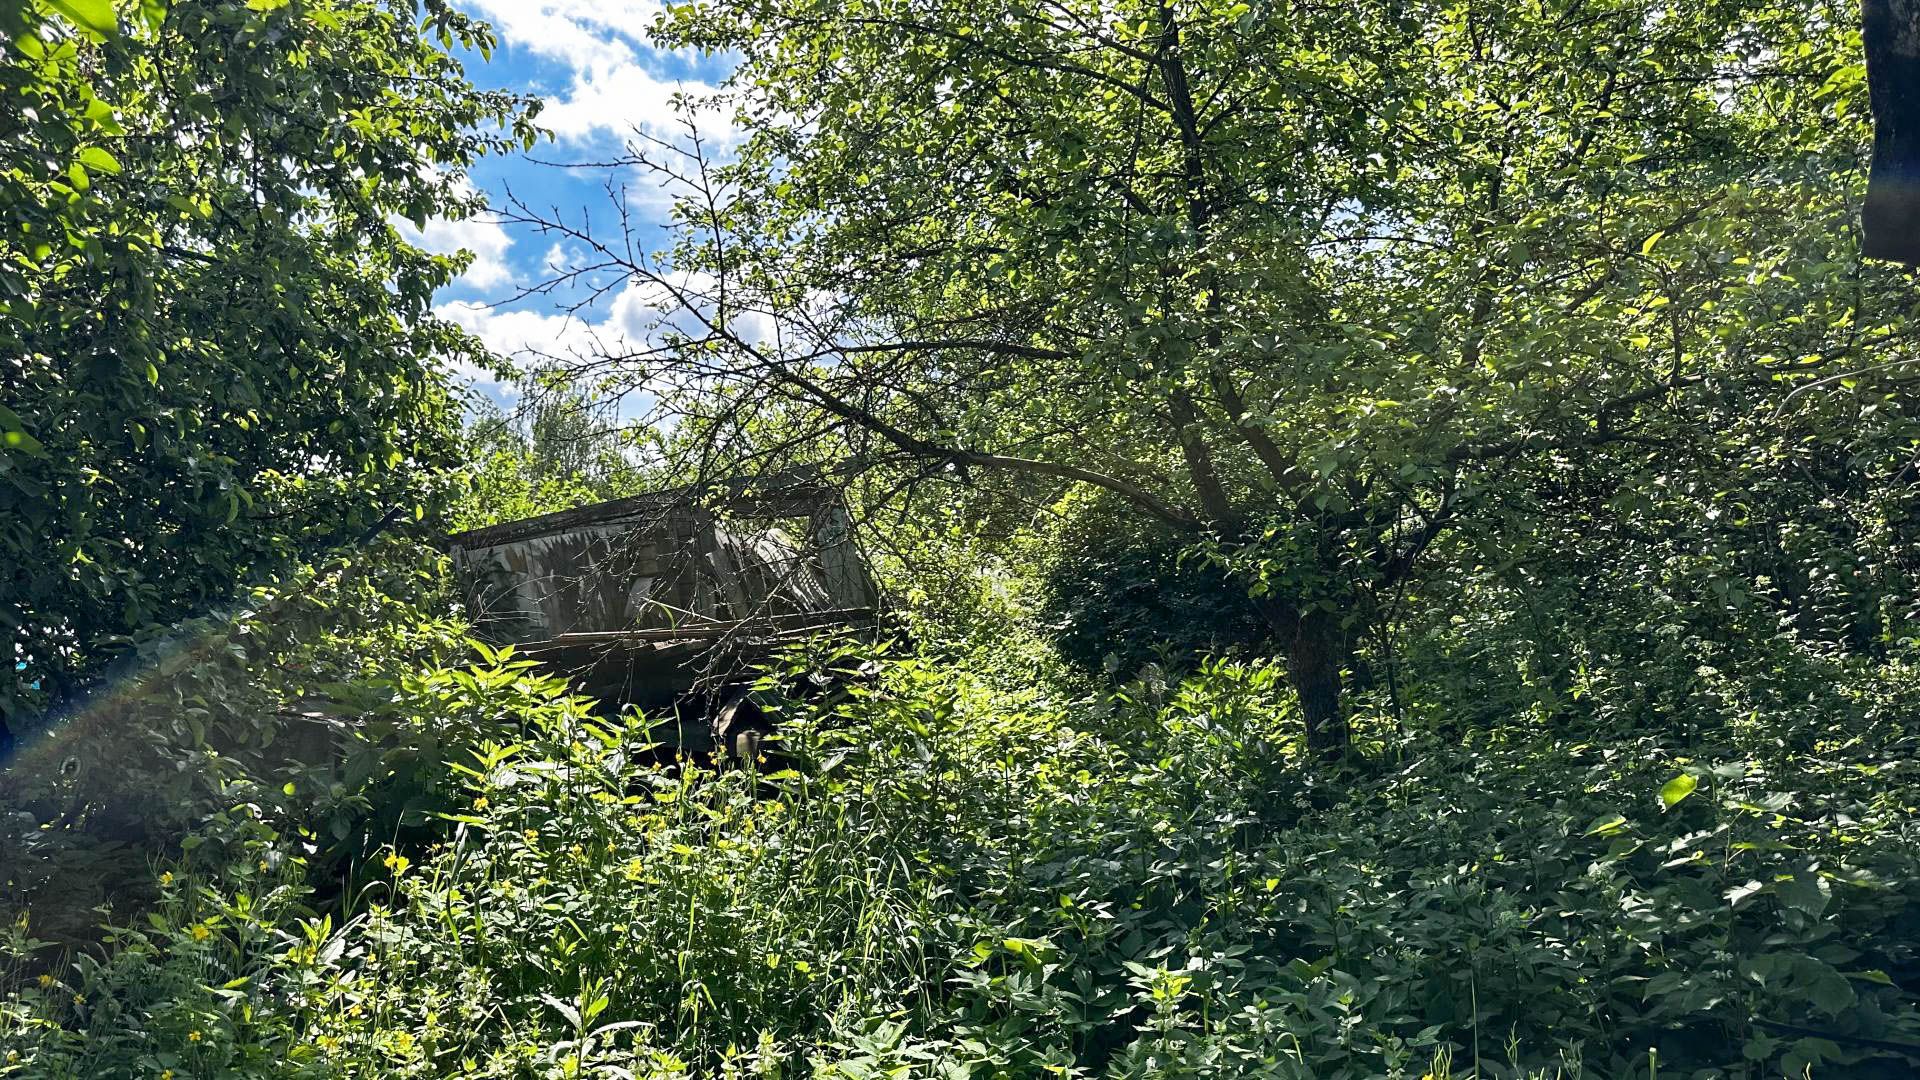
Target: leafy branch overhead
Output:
[(221, 353), (1314, 288)]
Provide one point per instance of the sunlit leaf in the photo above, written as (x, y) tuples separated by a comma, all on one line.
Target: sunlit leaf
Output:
[(95, 16), (1677, 788)]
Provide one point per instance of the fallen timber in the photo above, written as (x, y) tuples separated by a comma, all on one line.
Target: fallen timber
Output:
[(668, 600)]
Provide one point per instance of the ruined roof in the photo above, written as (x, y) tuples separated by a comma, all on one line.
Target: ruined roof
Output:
[(786, 496), (684, 567)]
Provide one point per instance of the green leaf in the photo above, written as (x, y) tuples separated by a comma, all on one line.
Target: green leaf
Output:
[(1829, 990), (1802, 892), (1646, 247), (23, 442), (1605, 825), (14, 436), (98, 160), (568, 1012), (1676, 789), (95, 16)]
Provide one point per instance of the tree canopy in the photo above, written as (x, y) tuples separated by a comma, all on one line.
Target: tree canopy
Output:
[(220, 353), (1308, 285)]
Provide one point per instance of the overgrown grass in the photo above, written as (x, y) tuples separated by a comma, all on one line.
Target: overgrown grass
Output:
[(942, 878)]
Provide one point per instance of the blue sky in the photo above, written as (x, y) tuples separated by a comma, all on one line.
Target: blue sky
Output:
[(590, 62)]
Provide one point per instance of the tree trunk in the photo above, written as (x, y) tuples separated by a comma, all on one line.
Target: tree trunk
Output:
[(1314, 653), (1890, 31), (1316, 647)]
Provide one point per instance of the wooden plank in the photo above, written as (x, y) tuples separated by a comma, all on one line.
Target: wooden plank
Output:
[(846, 577), (700, 542), (653, 508), (709, 631), (748, 496), (726, 573)]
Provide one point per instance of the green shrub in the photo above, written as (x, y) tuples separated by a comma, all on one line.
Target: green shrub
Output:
[(943, 878), (1120, 594)]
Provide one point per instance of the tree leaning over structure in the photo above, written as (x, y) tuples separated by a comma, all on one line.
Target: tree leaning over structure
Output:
[(1310, 287)]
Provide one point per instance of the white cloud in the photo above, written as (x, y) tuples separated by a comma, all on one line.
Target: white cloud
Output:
[(558, 258), (635, 317), (477, 377), (482, 236), (521, 337), (626, 96), (528, 336), (530, 339), (602, 45), (579, 33)]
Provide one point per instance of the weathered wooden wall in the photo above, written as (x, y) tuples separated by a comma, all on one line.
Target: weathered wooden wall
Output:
[(659, 563)]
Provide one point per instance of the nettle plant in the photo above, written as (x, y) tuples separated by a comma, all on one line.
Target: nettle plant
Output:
[(932, 875)]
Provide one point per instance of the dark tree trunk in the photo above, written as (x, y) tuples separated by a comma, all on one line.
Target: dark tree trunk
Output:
[(1314, 656), (1317, 648), (1890, 30)]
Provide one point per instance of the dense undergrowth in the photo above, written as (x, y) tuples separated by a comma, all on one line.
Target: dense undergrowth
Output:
[(1507, 378), (941, 876)]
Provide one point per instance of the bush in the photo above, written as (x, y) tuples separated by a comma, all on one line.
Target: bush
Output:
[(942, 878), (1120, 594), (301, 701)]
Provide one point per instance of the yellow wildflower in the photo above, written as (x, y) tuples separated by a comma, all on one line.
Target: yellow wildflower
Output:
[(46, 981), (166, 877), (193, 1036), (200, 932)]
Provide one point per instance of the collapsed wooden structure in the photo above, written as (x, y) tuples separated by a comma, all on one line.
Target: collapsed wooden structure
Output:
[(652, 599)]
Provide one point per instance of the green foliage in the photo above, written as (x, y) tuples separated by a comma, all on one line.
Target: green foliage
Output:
[(222, 355), (1520, 354), (1120, 593), (1318, 287), (295, 705), (943, 878), (561, 449)]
